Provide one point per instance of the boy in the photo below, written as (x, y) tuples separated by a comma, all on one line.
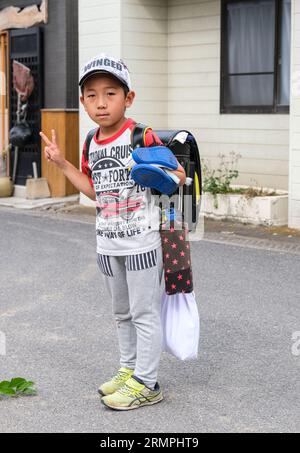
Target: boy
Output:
[(128, 249)]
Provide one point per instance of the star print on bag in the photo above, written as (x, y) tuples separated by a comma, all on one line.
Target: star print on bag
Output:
[(177, 261)]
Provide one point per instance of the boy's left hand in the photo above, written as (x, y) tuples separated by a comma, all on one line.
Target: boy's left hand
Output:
[(180, 172), (157, 167), (160, 156)]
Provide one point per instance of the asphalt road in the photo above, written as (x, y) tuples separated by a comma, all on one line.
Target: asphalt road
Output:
[(60, 333)]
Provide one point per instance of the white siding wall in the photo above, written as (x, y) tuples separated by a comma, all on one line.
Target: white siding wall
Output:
[(144, 49), (136, 31), (294, 205), (99, 31), (173, 50), (194, 99)]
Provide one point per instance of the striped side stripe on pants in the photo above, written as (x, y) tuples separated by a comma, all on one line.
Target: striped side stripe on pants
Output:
[(104, 264), (132, 262), (142, 261)]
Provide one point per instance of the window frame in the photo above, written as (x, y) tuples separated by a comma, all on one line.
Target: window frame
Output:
[(275, 108)]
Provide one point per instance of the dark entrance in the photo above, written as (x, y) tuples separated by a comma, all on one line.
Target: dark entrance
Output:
[(26, 47)]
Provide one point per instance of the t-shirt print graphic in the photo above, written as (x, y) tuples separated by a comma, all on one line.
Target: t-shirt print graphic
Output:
[(113, 181), (127, 219)]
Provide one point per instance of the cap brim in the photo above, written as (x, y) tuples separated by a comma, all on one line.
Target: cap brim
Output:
[(100, 71)]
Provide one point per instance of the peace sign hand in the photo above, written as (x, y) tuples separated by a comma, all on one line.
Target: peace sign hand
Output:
[(52, 151)]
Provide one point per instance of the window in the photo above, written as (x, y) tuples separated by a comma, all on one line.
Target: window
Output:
[(255, 56)]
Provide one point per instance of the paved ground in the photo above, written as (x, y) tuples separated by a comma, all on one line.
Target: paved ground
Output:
[(60, 332)]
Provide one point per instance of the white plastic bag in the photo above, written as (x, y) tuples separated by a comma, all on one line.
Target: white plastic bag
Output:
[(180, 325)]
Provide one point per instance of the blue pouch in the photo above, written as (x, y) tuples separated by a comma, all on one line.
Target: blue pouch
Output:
[(154, 177), (158, 155)]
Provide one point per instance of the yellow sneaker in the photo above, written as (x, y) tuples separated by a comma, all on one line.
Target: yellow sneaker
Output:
[(116, 382), (132, 396)]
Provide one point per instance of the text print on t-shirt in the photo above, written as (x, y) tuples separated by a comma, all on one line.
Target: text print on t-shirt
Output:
[(128, 218), (120, 201)]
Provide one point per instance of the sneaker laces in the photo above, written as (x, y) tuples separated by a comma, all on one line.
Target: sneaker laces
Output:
[(120, 376), (127, 390)]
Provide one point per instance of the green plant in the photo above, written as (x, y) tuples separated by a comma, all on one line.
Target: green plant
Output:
[(218, 180), (17, 387), (252, 192), (255, 191)]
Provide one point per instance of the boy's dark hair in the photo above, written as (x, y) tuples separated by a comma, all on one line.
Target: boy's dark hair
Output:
[(125, 89)]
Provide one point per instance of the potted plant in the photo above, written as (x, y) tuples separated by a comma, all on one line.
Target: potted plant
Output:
[(6, 185), (223, 200)]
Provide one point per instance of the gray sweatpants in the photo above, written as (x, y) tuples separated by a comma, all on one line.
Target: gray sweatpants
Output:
[(134, 284)]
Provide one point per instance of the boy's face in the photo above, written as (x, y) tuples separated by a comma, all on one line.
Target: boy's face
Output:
[(105, 101)]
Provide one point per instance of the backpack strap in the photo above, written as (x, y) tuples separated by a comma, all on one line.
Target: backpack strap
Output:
[(88, 141), (138, 135), (138, 140)]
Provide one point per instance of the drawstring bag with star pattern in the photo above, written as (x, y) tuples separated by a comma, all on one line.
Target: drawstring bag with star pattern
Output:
[(179, 312), (176, 253)]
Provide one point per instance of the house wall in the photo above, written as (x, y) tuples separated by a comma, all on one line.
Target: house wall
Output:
[(173, 50), (194, 40), (294, 183), (144, 49), (99, 31), (136, 31)]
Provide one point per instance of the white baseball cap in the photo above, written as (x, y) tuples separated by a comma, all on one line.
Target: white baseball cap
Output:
[(105, 64)]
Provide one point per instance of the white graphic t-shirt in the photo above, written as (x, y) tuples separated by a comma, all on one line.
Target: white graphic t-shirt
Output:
[(127, 221)]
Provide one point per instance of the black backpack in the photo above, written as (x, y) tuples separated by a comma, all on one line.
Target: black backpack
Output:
[(184, 146), (187, 154)]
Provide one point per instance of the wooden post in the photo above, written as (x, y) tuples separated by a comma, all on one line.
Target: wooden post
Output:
[(4, 104), (66, 125)]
